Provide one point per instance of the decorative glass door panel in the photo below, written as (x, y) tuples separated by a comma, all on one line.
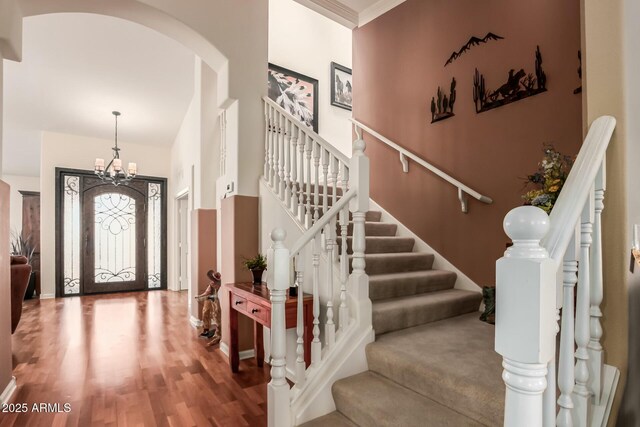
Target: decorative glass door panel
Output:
[(115, 238)]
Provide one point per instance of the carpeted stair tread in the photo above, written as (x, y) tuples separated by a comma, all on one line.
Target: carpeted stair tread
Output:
[(394, 285), (452, 362), (396, 263), (368, 399), (382, 244), (372, 228), (409, 311), (333, 419)]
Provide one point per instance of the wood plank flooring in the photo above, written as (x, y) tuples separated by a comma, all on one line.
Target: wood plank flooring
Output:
[(129, 359)]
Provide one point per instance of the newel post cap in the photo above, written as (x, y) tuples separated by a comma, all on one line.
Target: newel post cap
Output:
[(278, 235), (526, 226)]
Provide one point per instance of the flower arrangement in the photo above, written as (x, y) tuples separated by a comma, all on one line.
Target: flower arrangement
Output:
[(259, 262), (549, 179)]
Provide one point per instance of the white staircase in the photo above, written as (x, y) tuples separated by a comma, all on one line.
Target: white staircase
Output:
[(327, 195)]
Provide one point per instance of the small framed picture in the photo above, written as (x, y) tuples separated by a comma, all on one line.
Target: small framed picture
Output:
[(296, 93), (341, 86)]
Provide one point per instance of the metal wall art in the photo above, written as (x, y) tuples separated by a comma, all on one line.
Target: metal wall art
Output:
[(442, 107), (519, 85), (473, 41), (579, 89)]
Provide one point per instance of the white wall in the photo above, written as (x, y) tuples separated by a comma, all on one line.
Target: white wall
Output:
[(18, 183), (79, 152), (307, 42)]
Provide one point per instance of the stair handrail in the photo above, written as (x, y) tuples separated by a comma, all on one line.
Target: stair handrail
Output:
[(553, 257), (463, 189), (310, 132), (577, 187)]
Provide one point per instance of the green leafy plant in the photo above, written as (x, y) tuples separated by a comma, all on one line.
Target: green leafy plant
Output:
[(21, 245), (258, 262), (549, 179)]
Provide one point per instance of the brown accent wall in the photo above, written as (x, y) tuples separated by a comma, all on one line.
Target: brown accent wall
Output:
[(398, 65), (240, 240), (203, 250), (5, 290)]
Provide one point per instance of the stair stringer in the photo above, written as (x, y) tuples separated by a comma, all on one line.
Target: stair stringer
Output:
[(440, 262)]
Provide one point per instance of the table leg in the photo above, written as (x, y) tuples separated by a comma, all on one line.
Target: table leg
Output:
[(258, 343), (308, 333), (234, 355)]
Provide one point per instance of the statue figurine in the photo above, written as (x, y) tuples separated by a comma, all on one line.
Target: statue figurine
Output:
[(211, 315)]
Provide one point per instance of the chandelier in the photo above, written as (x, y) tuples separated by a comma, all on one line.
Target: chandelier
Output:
[(113, 172)]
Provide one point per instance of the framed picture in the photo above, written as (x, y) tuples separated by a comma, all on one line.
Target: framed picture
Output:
[(296, 93), (341, 86)]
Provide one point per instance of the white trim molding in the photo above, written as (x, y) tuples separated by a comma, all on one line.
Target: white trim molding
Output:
[(334, 10), (377, 9), (6, 395), (47, 296), (195, 322), (246, 354)]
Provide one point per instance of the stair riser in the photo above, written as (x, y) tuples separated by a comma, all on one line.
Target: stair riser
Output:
[(383, 289), (373, 229), (381, 246), (387, 265), (407, 317)]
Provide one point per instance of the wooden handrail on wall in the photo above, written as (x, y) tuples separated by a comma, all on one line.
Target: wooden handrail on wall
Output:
[(405, 154)]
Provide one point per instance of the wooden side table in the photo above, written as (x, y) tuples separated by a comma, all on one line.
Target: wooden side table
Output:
[(255, 303)]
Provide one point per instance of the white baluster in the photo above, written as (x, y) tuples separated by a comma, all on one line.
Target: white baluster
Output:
[(287, 167), (300, 365), (309, 150), (267, 126), (344, 268), (301, 208), (281, 159), (596, 355), (566, 378), (359, 281), (276, 151), (316, 345), (316, 186), (581, 393), (294, 169), (329, 327), (278, 392), (272, 138), (325, 174), (334, 178), (525, 315)]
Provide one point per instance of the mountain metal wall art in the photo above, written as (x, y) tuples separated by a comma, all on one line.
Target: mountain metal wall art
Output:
[(473, 41), (579, 89), (442, 107), (519, 85)]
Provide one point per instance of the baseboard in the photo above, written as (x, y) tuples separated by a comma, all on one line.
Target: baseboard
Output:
[(195, 322), (601, 413), (246, 354), (47, 296), (6, 395)]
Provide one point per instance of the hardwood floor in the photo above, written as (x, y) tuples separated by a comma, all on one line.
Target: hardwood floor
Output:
[(128, 359)]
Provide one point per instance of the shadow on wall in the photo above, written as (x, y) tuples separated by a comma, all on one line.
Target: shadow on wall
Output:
[(629, 415)]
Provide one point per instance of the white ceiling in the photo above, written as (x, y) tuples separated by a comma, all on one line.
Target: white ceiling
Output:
[(76, 69), (351, 13)]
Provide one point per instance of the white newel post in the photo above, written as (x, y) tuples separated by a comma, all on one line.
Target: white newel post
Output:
[(596, 355), (525, 315), (359, 180), (278, 392)]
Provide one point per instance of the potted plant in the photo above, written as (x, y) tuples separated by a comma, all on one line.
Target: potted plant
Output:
[(257, 265), (21, 246)]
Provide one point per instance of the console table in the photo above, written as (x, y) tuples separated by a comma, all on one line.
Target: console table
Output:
[(255, 303)]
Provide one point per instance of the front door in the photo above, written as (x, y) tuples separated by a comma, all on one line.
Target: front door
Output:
[(114, 235)]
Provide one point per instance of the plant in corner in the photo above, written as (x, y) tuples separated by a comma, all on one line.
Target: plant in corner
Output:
[(257, 265), (549, 179), (21, 246)]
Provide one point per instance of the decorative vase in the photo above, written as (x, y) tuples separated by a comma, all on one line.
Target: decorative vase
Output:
[(489, 299), (257, 276)]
